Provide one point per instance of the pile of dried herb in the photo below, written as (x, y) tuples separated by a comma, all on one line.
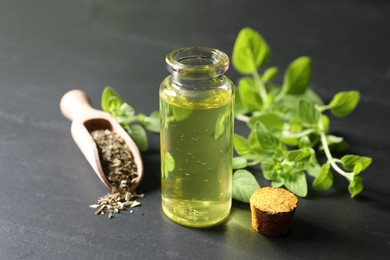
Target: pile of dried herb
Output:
[(119, 167)]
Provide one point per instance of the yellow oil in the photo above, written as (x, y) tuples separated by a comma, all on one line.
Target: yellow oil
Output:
[(196, 153)]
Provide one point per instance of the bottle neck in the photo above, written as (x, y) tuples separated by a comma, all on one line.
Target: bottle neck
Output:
[(196, 83), (197, 66)]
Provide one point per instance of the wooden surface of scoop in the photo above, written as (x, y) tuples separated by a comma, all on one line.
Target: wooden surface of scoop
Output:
[(85, 119)]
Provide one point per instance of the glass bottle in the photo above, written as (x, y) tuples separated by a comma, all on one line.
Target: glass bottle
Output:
[(196, 110)]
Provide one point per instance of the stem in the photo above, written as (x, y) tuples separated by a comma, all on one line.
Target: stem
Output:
[(280, 96), (252, 163), (260, 84), (243, 118), (323, 108), (332, 161), (287, 134)]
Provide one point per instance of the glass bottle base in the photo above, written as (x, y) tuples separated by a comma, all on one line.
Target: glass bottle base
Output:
[(195, 213)]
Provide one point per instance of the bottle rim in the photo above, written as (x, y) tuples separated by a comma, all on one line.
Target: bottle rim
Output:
[(195, 61)]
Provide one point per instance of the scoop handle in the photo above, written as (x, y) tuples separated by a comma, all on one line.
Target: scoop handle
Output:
[(75, 103)]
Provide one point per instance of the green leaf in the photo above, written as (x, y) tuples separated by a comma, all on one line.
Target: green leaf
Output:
[(355, 186), (271, 120), (256, 149), (269, 170), (138, 133), (180, 114), (343, 103), (241, 145), (250, 51), (308, 114), (269, 74), (298, 156), (127, 110), (265, 138), (152, 122), (358, 168), (324, 179), (314, 169), (249, 95), (244, 185), (304, 142), (288, 104), (332, 139), (312, 97), (114, 106), (239, 162), (125, 114), (277, 183), (220, 126), (239, 107), (297, 76), (296, 183), (169, 162), (294, 126), (349, 162), (107, 93)]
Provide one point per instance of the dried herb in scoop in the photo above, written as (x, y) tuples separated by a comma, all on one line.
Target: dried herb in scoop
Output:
[(121, 171)]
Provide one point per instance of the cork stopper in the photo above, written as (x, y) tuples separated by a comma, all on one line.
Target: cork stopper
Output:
[(274, 200), (272, 210)]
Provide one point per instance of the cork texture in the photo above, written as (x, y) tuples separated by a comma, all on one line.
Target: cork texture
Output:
[(272, 210)]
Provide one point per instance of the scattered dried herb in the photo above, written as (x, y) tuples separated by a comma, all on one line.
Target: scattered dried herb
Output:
[(121, 171), (116, 202)]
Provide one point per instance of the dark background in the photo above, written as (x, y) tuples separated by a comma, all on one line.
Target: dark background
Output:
[(48, 47)]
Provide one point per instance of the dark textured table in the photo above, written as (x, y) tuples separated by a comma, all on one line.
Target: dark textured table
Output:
[(48, 47)]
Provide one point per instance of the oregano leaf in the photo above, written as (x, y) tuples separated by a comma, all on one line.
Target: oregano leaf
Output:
[(349, 162), (265, 138), (125, 114), (297, 76), (268, 170), (220, 126), (241, 145), (239, 162), (250, 51), (169, 162), (343, 103), (307, 112), (271, 120), (152, 122), (244, 185), (138, 134), (107, 93), (298, 155), (324, 179), (249, 95), (296, 183), (358, 168), (304, 142), (180, 114), (277, 183), (355, 186), (114, 106), (239, 106), (269, 74)]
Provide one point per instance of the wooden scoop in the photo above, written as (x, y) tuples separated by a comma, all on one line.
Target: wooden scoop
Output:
[(85, 119)]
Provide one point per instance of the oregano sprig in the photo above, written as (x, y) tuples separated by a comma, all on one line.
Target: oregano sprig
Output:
[(124, 114), (289, 123)]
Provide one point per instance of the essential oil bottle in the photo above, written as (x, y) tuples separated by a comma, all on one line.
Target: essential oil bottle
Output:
[(196, 110)]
